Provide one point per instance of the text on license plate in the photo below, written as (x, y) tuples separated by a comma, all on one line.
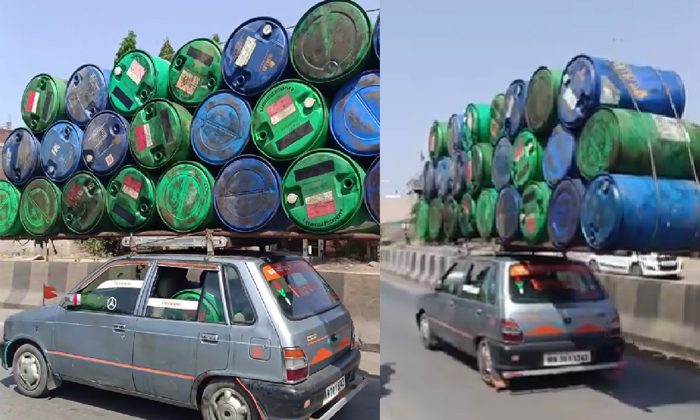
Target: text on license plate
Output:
[(333, 390), (568, 358)]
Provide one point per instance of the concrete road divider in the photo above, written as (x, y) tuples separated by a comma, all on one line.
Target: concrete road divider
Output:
[(662, 314)]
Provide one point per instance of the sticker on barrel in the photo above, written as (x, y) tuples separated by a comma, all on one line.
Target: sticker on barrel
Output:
[(319, 205), (132, 187), (246, 52), (143, 137), (530, 223), (468, 171), (33, 101), (281, 109), (74, 195), (136, 72), (97, 137), (188, 82), (670, 129)]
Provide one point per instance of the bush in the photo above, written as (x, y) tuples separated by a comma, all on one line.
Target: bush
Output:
[(101, 247)]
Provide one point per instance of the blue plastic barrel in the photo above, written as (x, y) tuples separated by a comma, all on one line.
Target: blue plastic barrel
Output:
[(375, 39), (87, 94), (589, 83), (514, 115), (428, 180), (255, 56), (442, 177), (455, 134), (508, 214), (458, 176), (624, 212), (21, 157), (564, 214), (502, 163), (61, 151), (354, 117), (247, 195), (220, 128), (559, 159), (105, 143), (372, 182)]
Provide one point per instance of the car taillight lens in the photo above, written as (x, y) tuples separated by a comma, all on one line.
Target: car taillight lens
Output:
[(511, 332), (295, 364), (614, 328)]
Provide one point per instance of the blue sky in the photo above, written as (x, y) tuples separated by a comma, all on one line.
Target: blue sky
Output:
[(439, 55)]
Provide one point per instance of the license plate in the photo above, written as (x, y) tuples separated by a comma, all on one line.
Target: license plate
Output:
[(567, 359), (333, 390), (668, 263)]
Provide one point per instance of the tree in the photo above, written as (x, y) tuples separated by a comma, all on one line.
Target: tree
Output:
[(128, 44), (166, 52), (216, 38)]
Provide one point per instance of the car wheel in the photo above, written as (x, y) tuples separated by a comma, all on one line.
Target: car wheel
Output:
[(485, 363), (30, 372), (426, 334), (593, 265), (227, 400), (636, 270)]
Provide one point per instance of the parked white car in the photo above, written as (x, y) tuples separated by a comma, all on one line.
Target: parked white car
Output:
[(634, 264)]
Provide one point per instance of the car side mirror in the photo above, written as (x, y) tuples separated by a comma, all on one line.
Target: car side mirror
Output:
[(73, 300)]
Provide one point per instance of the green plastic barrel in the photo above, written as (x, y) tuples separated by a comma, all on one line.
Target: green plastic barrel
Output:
[(185, 197), (486, 213), (131, 199), (496, 116), (422, 220), (450, 218), (533, 212), (209, 306), (477, 122), (437, 141), (323, 192), (160, 134), (40, 207), (331, 42), (195, 72), (617, 140), (479, 171), (290, 119), (137, 78), (9, 209), (541, 101), (467, 217), (527, 160), (435, 225), (43, 102), (83, 203)]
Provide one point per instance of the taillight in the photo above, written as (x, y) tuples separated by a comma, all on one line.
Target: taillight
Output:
[(295, 364), (614, 328), (511, 332)]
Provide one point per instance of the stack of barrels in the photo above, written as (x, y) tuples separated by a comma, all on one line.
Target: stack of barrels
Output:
[(594, 155), (265, 132)]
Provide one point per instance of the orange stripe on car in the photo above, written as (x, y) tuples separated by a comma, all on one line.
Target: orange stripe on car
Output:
[(453, 329), (122, 365), (545, 330)]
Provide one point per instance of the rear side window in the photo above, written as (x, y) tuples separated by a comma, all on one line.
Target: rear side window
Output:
[(298, 289), (546, 283)]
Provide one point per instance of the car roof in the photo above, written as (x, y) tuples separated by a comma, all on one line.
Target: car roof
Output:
[(523, 257), (219, 257)]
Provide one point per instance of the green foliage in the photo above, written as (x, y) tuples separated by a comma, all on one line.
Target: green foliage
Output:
[(101, 247), (167, 52), (128, 44), (216, 39)]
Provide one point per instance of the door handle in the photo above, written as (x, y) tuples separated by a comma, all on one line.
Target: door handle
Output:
[(119, 328), (452, 303), (210, 338), (479, 312)]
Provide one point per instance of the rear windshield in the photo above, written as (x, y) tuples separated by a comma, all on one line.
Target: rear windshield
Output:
[(299, 290), (546, 283)]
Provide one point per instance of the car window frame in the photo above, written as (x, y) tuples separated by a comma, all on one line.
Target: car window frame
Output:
[(228, 297), (467, 264), (477, 265)]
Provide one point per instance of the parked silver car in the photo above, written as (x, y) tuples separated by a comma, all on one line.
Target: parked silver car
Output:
[(251, 336), (523, 315)]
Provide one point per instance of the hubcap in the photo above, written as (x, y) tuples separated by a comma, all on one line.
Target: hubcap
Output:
[(425, 328), (486, 358), (29, 371), (227, 404)]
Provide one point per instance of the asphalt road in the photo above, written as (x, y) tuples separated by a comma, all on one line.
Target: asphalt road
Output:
[(417, 384)]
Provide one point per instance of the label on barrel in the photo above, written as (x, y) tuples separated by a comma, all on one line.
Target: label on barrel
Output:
[(143, 137), (319, 205), (109, 160), (468, 171), (569, 98), (431, 142), (33, 102), (188, 82), (530, 223), (246, 51), (609, 94), (518, 153), (136, 72), (281, 109), (97, 137), (131, 188), (470, 121), (74, 195), (509, 105), (56, 147), (670, 129)]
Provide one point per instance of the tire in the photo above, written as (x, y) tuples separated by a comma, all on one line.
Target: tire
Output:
[(636, 270), (426, 334), (593, 265), (484, 363), (225, 399), (30, 372)]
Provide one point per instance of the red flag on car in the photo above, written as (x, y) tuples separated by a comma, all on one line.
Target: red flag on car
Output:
[(49, 292)]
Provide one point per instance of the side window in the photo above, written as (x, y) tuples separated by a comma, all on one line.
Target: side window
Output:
[(488, 292), (241, 309), (116, 290), (476, 280), (454, 280), (186, 294)]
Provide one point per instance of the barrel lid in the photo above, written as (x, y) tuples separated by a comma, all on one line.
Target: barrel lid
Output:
[(105, 142), (247, 193), (598, 145), (497, 115), (541, 100), (322, 191), (473, 121), (514, 108), (482, 155), (331, 41), (527, 159), (535, 203), (256, 54), (40, 209), (20, 156), (442, 176), (9, 207), (577, 97), (428, 179), (195, 71), (601, 211), (83, 202), (184, 196), (372, 182), (455, 131), (375, 38), (502, 163), (220, 128), (563, 221), (486, 212), (132, 82), (422, 218), (435, 226), (508, 213), (87, 93), (130, 198), (61, 150), (42, 102), (458, 181), (450, 218), (559, 155), (289, 119), (154, 136), (467, 221), (355, 115)]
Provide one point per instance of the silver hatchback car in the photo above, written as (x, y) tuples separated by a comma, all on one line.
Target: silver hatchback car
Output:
[(523, 315), (245, 337)]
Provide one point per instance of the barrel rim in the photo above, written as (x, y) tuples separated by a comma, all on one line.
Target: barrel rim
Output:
[(509, 129), (576, 226), (617, 215), (514, 194), (494, 176), (103, 73), (574, 120), (112, 81), (52, 80), (79, 157), (109, 200), (180, 122), (171, 88), (117, 166), (609, 115), (36, 146), (344, 90), (57, 219), (210, 197), (102, 203), (373, 166), (536, 186)]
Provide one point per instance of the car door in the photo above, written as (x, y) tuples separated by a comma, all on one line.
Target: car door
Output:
[(445, 303), (486, 319), (93, 342), (470, 311), (183, 330)]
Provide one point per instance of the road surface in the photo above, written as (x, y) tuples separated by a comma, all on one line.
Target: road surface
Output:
[(417, 384)]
